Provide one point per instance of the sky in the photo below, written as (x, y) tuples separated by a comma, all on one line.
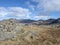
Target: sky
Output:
[(29, 9)]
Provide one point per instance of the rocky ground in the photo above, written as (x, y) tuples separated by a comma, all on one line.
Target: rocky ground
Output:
[(13, 33)]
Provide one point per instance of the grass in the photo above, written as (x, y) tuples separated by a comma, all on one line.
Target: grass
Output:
[(35, 35)]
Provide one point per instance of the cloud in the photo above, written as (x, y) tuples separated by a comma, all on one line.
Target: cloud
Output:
[(47, 8), (41, 17), (3, 11), (48, 5), (52, 5), (17, 12), (30, 6)]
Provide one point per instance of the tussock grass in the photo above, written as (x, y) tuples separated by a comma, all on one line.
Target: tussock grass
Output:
[(34, 35)]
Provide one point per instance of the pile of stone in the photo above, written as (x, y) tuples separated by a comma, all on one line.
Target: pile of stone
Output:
[(6, 29)]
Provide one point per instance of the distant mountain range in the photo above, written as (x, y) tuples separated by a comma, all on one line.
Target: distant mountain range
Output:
[(48, 22), (41, 22), (38, 22)]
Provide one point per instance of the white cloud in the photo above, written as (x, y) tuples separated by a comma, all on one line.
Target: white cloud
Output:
[(19, 11), (3, 11), (41, 17), (30, 6), (50, 5), (16, 11)]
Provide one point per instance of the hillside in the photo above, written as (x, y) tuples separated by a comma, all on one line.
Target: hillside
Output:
[(17, 32)]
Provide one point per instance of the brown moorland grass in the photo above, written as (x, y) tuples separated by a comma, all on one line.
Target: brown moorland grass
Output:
[(35, 35)]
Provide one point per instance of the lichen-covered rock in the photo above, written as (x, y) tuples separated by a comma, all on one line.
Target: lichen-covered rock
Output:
[(6, 29)]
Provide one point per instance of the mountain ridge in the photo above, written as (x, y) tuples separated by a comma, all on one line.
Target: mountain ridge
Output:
[(38, 22)]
